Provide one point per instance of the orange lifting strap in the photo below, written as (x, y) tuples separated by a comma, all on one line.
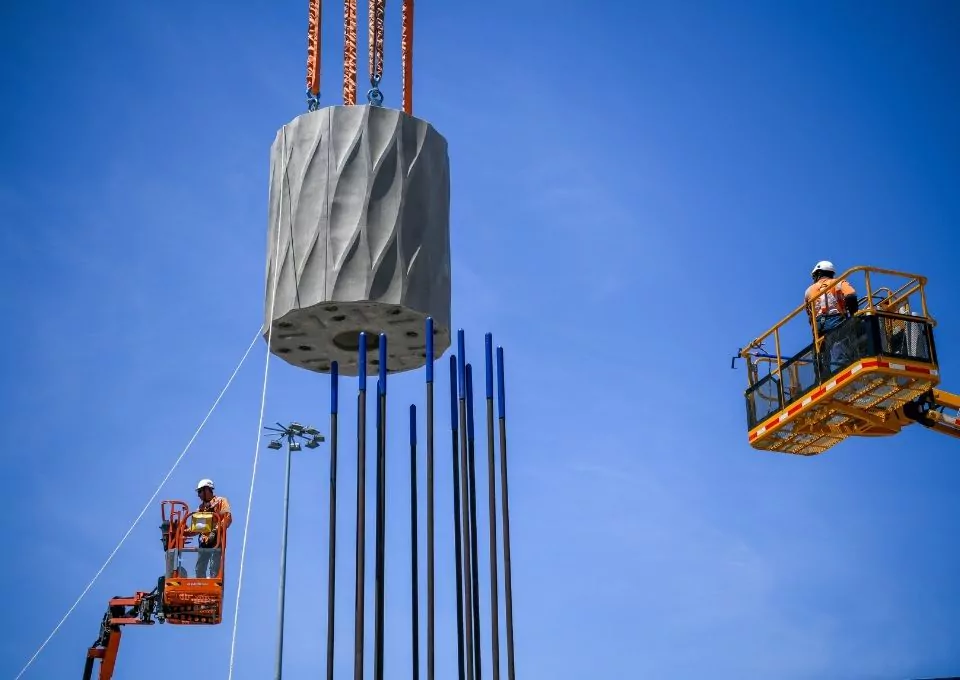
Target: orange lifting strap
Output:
[(313, 51), (376, 10), (406, 55), (349, 52)]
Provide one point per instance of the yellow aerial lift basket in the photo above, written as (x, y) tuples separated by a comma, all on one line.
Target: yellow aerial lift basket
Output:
[(871, 375)]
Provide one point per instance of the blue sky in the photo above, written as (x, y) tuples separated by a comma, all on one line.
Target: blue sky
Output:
[(637, 191)]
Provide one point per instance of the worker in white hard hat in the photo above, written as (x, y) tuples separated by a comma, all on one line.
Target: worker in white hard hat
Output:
[(209, 549), (830, 302)]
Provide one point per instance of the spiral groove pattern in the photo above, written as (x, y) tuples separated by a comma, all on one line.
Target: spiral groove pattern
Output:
[(361, 196)]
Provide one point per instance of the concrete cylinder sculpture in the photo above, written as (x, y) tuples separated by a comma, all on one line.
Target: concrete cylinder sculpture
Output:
[(360, 206)]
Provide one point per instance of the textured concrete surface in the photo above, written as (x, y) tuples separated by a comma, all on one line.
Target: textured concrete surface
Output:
[(361, 196)]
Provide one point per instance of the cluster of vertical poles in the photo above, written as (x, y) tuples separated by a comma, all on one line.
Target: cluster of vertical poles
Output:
[(375, 25), (465, 513), (465, 528)]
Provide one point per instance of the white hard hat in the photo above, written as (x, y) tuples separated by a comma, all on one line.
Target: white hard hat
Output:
[(823, 266), (204, 482)]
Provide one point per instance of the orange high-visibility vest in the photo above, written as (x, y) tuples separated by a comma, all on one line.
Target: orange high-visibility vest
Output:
[(828, 298)]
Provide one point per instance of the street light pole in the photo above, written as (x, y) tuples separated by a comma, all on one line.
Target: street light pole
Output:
[(283, 564), (291, 433)]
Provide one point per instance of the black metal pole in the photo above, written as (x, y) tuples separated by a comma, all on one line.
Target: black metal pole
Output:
[(332, 557), (474, 563), (414, 568), (361, 507), (430, 545), (458, 560), (379, 603), (492, 493), (465, 495), (505, 504)]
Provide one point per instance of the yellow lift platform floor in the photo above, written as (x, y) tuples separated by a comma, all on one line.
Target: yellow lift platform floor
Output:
[(863, 400)]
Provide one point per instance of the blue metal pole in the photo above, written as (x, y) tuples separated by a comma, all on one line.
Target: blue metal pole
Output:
[(379, 604), (492, 508), (332, 559), (505, 510), (414, 567), (458, 558), (430, 510), (461, 364), (361, 507), (465, 495), (474, 563)]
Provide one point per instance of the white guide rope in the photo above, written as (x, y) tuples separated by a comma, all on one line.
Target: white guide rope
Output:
[(263, 402), (147, 506)]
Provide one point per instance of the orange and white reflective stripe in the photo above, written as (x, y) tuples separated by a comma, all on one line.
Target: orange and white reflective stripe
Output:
[(837, 381)]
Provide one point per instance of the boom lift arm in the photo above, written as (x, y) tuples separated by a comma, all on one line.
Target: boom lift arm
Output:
[(143, 609), (928, 411)]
